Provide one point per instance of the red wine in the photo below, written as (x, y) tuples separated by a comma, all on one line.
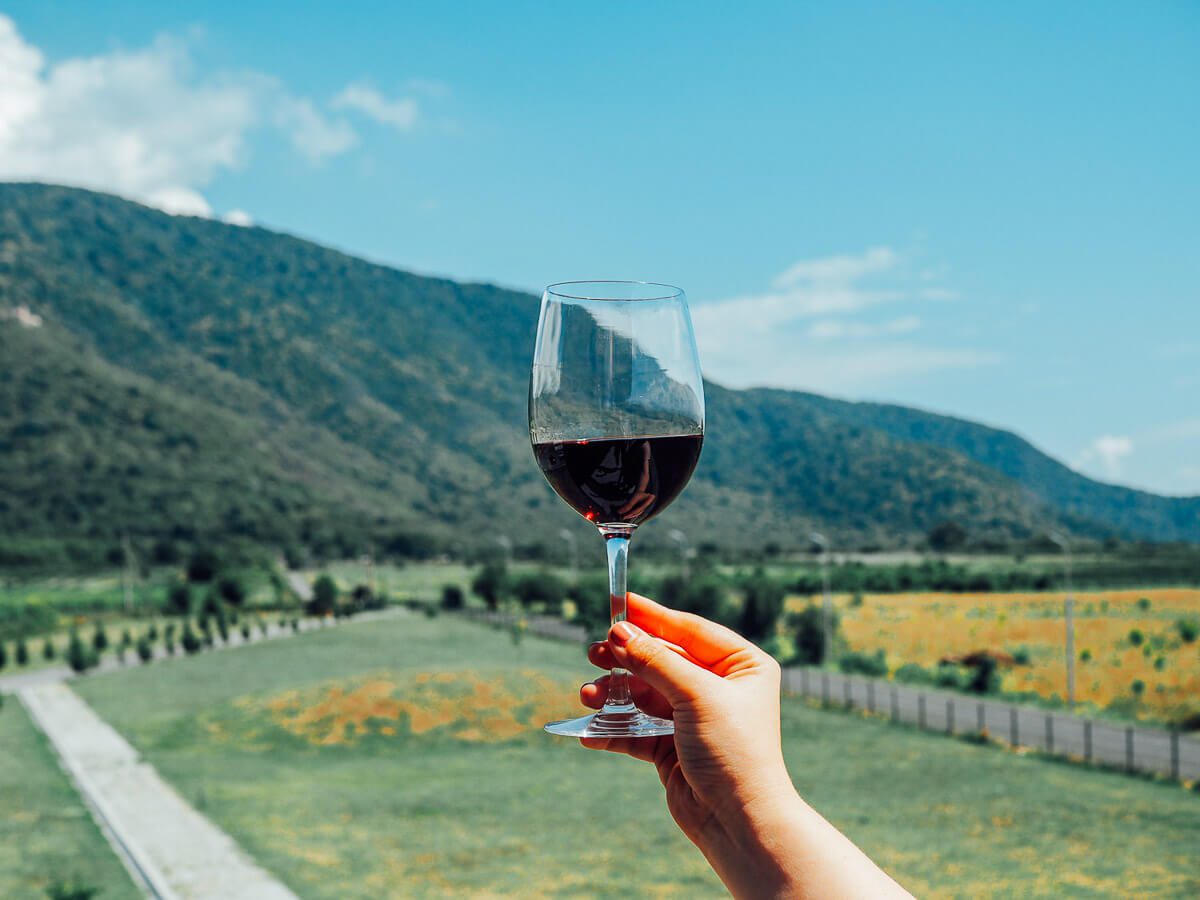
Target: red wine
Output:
[(624, 481)]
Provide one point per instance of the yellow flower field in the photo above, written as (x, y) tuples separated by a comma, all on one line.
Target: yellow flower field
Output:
[(1110, 659)]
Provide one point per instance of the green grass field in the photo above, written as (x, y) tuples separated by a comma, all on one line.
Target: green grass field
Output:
[(404, 759), (46, 834)]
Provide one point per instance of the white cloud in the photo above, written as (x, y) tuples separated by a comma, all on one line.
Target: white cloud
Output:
[(814, 328), (400, 113), (237, 217), (143, 124), (1105, 455)]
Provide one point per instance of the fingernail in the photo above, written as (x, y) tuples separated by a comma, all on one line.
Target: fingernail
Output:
[(623, 633)]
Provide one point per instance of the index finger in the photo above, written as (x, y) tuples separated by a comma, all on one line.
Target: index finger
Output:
[(707, 642)]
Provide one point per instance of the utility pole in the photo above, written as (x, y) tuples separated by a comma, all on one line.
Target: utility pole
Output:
[(1068, 616), (126, 574), (827, 603)]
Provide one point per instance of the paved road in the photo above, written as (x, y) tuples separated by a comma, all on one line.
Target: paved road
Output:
[(173, 849)]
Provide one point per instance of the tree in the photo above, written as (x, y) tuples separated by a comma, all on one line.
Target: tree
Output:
[(231, 590), (490, 584), (542, 590), (145, 650), (202, 566), (79, 658), (324, 599), (452, 597), (179, 600), (99, 638), (49, 651), (762, 606), (3, 656), (191, 643), (946, 536), (809, 635), (22, 652)]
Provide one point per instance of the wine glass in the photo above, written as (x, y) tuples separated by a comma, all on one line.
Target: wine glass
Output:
[(616, 418)]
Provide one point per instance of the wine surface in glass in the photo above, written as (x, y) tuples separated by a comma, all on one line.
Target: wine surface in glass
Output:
[(620, 481)]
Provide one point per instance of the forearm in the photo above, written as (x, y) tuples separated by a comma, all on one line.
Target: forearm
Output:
[(781, 847)]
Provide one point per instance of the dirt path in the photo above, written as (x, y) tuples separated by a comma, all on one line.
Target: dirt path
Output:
[(169, 847)]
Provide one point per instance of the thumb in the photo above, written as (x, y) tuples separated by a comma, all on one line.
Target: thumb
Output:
[(676, 678)]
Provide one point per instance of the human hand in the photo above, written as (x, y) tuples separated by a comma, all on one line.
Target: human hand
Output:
[(723, 694), (727, 786)]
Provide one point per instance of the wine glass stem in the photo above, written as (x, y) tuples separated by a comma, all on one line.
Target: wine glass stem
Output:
[(617, 543)]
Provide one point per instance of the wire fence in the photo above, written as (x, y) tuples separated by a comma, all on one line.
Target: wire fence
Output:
[(1132, 748)]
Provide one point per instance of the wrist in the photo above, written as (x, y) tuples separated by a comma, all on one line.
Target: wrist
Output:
[(749, 841)]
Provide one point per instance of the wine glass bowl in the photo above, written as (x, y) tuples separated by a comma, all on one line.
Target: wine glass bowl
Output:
[(616, 419)]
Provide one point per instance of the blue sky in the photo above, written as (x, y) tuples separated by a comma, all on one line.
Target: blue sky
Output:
[(991, 211)]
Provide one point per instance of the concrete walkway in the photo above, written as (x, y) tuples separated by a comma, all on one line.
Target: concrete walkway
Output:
[(169, 847)]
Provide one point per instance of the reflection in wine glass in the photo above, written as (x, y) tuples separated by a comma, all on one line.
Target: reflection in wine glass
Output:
[(616, 418)]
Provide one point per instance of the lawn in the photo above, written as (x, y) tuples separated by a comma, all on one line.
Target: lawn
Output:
[(46, 834), (403, 758)]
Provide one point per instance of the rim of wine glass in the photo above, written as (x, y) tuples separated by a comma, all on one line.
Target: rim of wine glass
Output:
[(662, 292)]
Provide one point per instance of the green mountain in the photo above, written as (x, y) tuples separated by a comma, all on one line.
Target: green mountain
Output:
[(191, 381)]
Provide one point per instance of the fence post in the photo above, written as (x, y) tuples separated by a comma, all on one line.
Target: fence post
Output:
[(921, 711), (871, 696), (847, 692), (895, 703), (1087, 740), (1175, 753), (980, 720), (1128, 749), (804, 682), (1014, 727), (1049, 733), (949, 715), (825, 688)]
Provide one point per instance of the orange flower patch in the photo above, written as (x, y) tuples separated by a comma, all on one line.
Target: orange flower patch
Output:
[(462, 705), (1153, 673)]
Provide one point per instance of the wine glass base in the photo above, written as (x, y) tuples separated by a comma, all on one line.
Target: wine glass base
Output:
[(631, 723)]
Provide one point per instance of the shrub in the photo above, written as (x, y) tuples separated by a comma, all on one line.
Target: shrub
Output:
[(49, 651), (762, 605), (855, 663), (324, 599), (3, 656), (231, 590), (145, 650), (152, 632), (1085, 655), (189, 640), (99, 638), (490, 584), (296, 625), (452, 597), (179, 600), (71, 890), (809, 634), (1143, 603), (222, 624), (79, 657), (202, 566), (22, 652), (246, 631), (1188, 630), (1021, 656), (542, 590), (592, 607), (1160, 663), (1136, 637), (911, 673), (1138, 686), (948, 675), (983, 677), (705, 595)]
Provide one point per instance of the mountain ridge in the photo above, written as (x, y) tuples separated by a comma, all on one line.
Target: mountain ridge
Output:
[(374, 406)]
